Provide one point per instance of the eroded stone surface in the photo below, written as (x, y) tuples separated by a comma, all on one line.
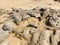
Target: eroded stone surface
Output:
[(25, 24), (9, 26)]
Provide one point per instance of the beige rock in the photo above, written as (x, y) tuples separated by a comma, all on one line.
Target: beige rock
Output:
[(3, 35), (9, 26), (14, 41), (44, 38), (56, 37)]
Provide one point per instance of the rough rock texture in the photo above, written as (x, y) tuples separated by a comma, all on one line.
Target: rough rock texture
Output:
[(37, 26)]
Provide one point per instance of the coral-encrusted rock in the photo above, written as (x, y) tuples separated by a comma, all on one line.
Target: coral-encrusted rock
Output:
[(9, 26)]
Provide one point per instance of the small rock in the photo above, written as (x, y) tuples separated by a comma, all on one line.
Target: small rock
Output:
[(35, 38), (17, 18), (54, 18), (3, 35), (56, 37), (26, 33), (19, 15), (9, 26), (44, 38), (33, 13)]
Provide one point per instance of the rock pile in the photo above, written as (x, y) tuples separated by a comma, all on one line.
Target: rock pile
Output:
[(38, 26)]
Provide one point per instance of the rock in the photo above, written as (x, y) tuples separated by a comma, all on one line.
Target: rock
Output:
[(9, 26), (56, 37), (44, 12), (3, 35), (18, 15), (17, 18), (44, 38), (57, 0), (38, 13), (14, 41), (23, 13), (54, 18), (37, 26), (26, 33), (4, 43), (33, 13), (35, 38)]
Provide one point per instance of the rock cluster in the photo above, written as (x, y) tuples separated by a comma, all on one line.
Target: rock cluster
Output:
[(38, 26)]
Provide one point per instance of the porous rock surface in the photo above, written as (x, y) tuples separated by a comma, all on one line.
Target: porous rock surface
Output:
[(37, 26)]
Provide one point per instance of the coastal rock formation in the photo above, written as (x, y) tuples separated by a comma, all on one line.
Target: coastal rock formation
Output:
[(37, 26)]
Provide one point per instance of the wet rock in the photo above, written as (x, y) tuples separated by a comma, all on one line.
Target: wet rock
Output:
[(57, 0)]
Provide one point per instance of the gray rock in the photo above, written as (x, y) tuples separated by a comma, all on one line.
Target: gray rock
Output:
[(33, 13), (19, 15), (17, 18), (9, 26), (23, 14), (54, 18)]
